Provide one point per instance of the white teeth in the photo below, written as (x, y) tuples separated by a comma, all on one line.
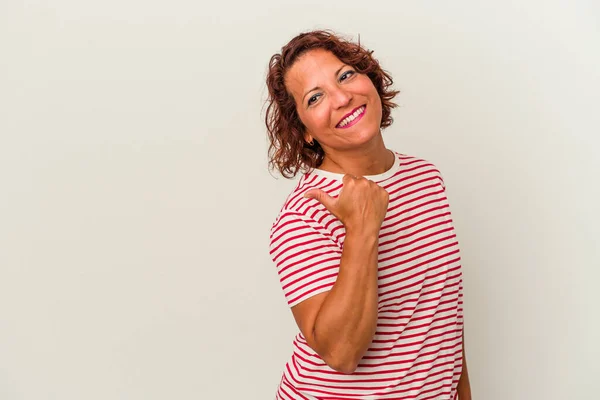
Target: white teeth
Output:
[(350, 118)]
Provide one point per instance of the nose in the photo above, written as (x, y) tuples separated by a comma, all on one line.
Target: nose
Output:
[(341, 97)]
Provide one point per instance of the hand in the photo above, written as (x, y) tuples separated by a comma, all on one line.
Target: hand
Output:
[(361, 205)]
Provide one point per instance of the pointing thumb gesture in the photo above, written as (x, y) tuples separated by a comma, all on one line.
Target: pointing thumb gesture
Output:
[(323, 198), (361, 204)]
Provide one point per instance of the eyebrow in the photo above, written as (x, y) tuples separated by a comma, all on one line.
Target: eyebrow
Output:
[(317, 87)]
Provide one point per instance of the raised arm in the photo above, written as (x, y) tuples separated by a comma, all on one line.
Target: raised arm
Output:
[(339, 325)]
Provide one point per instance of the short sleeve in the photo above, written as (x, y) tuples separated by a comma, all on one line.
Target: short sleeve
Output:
[(306, 255), (438, 174)]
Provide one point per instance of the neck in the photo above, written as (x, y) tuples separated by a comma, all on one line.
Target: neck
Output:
[(374, 160)]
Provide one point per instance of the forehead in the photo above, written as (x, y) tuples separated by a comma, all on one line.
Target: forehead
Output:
[(310, 70)]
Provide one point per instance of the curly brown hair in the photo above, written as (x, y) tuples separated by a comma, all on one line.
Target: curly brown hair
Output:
[(288, 151)]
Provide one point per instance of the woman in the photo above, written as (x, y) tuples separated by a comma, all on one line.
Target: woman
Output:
[(364, 245)]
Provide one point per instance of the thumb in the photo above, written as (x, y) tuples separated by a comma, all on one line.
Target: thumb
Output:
[(321, 197)]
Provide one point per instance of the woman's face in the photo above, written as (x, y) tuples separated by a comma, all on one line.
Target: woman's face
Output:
[(339, 107)]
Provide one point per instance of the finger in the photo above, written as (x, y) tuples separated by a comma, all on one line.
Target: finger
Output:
[(321, 197), (349, 177)]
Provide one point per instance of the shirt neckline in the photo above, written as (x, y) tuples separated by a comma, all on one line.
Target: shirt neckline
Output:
[(375, 178)]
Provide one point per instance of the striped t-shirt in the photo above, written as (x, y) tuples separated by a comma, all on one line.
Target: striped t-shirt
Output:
[(416, 352)]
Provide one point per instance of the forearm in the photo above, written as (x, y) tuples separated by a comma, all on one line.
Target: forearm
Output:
[(347, 319)]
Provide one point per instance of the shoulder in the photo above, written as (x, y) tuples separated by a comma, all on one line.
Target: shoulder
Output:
[(417, 164), (299, 207)]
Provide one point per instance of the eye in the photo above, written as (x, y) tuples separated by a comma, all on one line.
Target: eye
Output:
[(313, 98), (346, 74)]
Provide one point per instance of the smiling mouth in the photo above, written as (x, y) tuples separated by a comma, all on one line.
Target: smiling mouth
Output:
[(352, 118)]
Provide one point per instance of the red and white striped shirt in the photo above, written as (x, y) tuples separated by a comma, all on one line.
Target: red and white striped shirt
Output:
[(416, 352)]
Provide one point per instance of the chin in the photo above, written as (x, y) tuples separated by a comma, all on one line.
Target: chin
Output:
[(359, 139)]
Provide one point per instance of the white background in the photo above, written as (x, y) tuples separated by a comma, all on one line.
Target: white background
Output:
[(135, 200)]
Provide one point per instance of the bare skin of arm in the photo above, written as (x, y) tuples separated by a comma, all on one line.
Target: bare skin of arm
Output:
[(339, 325)]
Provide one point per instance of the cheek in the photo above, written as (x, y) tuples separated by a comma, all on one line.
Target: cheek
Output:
[(372, 92), (375, 94), (324, 117), (366, 86), (317, 119)]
